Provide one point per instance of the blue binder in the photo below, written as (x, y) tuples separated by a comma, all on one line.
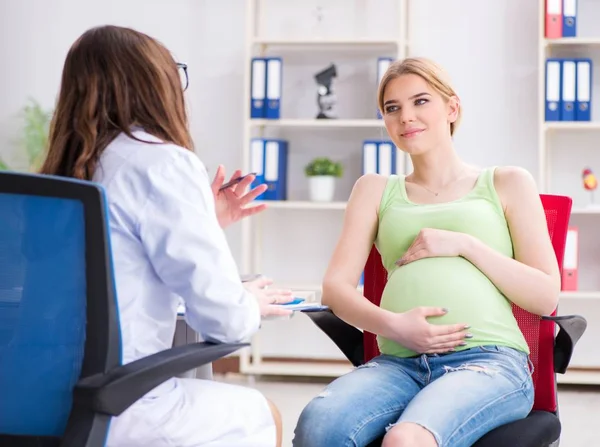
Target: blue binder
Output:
[(553, 89), (268, 159), (569, 18), (568, 89), (380, 157), (383, 64), (257, 162), (370, 157), (274, 84), (386, 158), (258, 86), (583, 102)]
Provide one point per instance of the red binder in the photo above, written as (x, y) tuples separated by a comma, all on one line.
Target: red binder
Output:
[(554, 19), (571, 261)]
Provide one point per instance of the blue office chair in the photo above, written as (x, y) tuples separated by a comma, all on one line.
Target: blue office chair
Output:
[(61, 374)]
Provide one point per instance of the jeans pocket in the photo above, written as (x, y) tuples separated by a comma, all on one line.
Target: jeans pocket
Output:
[(517, 358)]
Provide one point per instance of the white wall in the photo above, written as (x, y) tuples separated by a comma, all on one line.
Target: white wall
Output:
[(490, 52), (35, 36)]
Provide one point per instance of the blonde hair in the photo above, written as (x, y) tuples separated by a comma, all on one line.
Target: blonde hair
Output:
[(431, 72)]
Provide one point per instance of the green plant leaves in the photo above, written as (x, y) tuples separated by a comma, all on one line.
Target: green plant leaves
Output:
[(35, 133), (324, 166), (34, 136)]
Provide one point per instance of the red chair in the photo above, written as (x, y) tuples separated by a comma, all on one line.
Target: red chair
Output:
[(549, 355)]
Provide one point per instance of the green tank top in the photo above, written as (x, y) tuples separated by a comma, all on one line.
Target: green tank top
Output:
[(450, 282)]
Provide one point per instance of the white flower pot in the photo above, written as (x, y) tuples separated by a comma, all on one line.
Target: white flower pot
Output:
[(321, 188)]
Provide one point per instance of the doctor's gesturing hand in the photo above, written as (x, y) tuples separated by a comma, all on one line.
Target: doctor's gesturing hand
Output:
[(269, 298), (231, 202)]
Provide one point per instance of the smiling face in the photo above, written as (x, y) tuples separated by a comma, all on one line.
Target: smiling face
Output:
[(417, 117)]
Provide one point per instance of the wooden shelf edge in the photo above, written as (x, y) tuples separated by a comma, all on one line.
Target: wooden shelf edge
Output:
[(565, 41), (350, 41), (316, 123), (571, 125)]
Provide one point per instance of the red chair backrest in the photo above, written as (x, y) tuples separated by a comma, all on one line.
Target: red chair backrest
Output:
[(538, 333)]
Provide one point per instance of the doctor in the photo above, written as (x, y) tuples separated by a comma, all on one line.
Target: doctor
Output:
[(120, 120)]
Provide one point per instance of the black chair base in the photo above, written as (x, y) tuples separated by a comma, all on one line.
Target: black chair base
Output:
[(539, 429), (29, 441)]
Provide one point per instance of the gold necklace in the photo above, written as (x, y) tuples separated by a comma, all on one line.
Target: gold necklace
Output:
[(442, 187)]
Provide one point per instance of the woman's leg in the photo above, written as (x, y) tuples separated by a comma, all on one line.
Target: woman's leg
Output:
[(471, 393), (356, 408)]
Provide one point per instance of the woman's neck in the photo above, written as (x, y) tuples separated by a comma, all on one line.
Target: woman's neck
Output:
[(436, 168)]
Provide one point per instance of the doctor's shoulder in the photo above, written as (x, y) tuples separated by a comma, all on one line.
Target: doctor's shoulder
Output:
[(150, 154)]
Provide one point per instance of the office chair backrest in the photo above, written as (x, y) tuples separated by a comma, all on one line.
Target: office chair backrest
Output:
[(538, 333), (58, 318)]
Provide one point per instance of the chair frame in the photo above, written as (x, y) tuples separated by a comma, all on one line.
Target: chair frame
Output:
[(105, 388)]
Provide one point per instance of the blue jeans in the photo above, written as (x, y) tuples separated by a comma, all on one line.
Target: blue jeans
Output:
[(458, 397)]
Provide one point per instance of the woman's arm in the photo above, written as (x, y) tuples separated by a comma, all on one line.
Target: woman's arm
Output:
[(350, 255), (532, 279)]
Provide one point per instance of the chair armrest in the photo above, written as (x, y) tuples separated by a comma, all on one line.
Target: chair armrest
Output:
[(571, 329), (115, 391), (346, 337)]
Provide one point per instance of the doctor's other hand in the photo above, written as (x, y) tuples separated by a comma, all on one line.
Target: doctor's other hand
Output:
[(268, 298), (231, 203)]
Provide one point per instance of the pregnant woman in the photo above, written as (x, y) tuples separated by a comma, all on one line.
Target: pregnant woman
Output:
[(459, 244)]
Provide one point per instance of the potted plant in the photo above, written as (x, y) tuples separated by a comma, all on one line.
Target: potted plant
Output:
[(321, 173), (34, 137)]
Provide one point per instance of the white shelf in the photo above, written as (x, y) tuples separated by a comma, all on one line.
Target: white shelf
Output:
[(587, 295), (572, 41), (312, 287), (308, 205), (298, 286), (577, 211), (298, 369), (340, 42), (304, 287), (302, 205), (572, 125), (579, 377), (258, 43), (316, 123)]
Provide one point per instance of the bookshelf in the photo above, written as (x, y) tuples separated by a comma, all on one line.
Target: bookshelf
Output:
[(296, 125), (557, 174)]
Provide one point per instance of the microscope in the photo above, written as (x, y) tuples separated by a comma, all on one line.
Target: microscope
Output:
[(326, 99)]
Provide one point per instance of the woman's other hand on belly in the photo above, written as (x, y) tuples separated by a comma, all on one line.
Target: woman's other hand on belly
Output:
[(412, 330)]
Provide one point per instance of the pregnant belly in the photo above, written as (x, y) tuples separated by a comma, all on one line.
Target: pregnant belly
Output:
[(453, 283)]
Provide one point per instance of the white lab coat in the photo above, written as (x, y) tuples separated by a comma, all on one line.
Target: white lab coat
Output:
[(167, 245)]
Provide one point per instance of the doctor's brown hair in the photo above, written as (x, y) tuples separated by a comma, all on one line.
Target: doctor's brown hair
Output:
[(113, 79)]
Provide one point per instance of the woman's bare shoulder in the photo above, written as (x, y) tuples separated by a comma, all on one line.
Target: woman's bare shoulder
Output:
[(514, 183), (368, 189)]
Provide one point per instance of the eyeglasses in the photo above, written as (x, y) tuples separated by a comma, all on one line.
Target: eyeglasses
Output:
[(185, 82)]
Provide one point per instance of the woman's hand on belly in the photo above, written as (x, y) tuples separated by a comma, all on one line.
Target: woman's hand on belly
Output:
[(412, 330), (431, 242)]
